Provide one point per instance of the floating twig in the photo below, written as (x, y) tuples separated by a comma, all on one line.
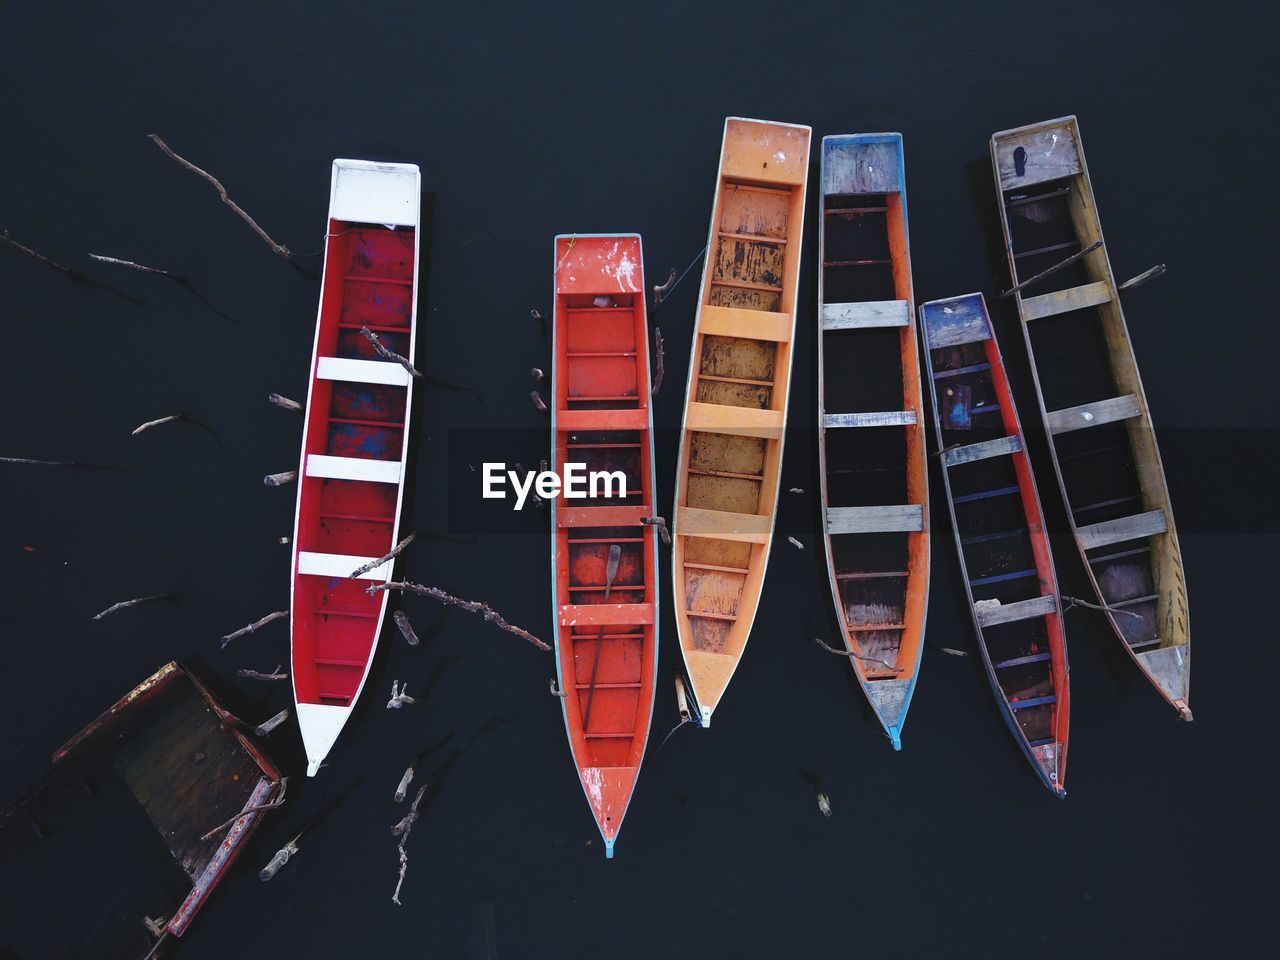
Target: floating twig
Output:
[(538, 403), (953, 651), (395, 552), (75, 276), (824, 803), (1073, 602), (1060, 265), (1140, 279), (155, 423), (796, 490), (274, 803), (278, 861), (555, 689), (401, 830), (661, 290), (483, 609), (682, 705), (658, 365), (38, 463), (671, 287), (386, 353), (177, 278), (244, 631), (124, 604), (406, 628), (256, 675), (856, 656), (284, 402), (399, 696), (538, 375), (661, 524), (795, 543), (280, 479), (278, 248), (267, 726)]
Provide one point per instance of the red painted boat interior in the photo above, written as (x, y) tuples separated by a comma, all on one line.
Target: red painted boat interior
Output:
[(602, 418), (368, 281), (1004, 543)]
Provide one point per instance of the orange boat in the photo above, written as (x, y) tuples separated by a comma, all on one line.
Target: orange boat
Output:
[(736, 399), (604, 558)]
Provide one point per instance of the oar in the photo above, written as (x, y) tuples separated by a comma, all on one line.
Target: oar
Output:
[(610, 571)]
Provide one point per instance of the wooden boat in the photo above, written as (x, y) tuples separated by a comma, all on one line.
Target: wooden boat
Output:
[(872, 466), (736, 399), (605, 607), (144, 813), (999, 531), (1095, 412), (355, 440)]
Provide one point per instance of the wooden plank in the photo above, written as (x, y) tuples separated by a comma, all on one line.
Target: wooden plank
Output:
[(859, 164), (575, 420), (604, 614), (893, 518), (752, 324), (1050, 149), (624, 516), (721, 525), (737, 421), (763, 151), (353, 468), (972, 452), (1064, 301), (865, 315), (1126, 528), (949, 323), (1092, 414), (340, 565), (1019, 610), (888, 418), (361, 371)]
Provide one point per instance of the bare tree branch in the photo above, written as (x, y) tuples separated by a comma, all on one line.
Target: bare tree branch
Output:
[(856, 656), (395, 552), (387, 354), (124, 604), (284, 402), (269, 805), (483, 609), (255, 675), (257, 624)]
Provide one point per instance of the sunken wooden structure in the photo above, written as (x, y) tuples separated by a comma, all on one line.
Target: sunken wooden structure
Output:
[(606, 632), (871, 448), (355, 441), (1090, 395), (122, 818), (735, 412), (999, 531)]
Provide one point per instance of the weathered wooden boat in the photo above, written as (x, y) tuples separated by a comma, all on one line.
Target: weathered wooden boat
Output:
[(1095, 412), (871, 449), (735, 409), (142, 816), (999, 531), (355, 441), (604, 559)]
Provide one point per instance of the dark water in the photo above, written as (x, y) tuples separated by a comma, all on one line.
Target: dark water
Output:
[(531, 119)]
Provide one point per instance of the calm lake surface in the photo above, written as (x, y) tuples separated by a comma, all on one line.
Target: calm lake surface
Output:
[(530, 120)]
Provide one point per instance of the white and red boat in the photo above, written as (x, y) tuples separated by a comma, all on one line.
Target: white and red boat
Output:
[(355, 440)]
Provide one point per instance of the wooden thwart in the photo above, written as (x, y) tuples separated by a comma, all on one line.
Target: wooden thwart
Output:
[(1126, 528), (999, 447), (1020, 610), (893, 518), (361, 371), (1092, 414), (722, 525), (1064, 301), (575, 420), (738, 421), (888, 418), (605, 614), (340, 565), (751, 324), (601, 516), (867, 315), (353, 468)]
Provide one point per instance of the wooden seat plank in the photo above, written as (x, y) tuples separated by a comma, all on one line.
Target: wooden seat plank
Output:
[(1126, 528), (1092, 414), (721, 525), (866, 315), (738, 421), (601, 516), (751, 324), (340, 565), (971, 452), (604, 614), (1064, 301), (892, 518), (361, 371), (888, 418), (1019, 610), (575, 420), (353, 468)]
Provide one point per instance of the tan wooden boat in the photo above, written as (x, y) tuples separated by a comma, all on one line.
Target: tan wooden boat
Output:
[(735, 410), (1101, 440)]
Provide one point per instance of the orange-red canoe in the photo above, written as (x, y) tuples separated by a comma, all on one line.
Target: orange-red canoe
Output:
[(605, 591)]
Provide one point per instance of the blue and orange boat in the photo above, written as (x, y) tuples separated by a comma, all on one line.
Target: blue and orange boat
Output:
[(871, 449), (999, 531), (603, 557)]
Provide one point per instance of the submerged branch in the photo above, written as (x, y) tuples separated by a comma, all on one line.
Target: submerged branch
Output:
[(244, 631), (124, 604), (255, 675), (1140, 279)]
